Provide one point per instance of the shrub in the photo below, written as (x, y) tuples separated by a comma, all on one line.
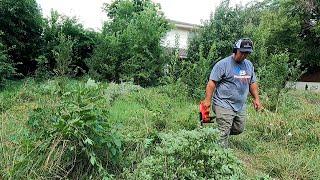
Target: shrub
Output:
[(72, 137), (223, 28), (210, 43), (43, 70), (129, 48), (57, 27), (21, 23), (195, 75), (173, 66), (6, 67), (273, 76), (62, 53), (189, 155)]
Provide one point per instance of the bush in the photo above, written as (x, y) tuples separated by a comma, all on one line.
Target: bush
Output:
[(221, 30), (192, 76), (62, 53), (61, 31), (129, 48), (21, 22), (189, 155), (196, 75), (273, 76), (43, 70), (72, 137), (211, 42), (6, 67)]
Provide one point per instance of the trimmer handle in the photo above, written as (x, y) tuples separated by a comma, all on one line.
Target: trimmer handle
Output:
[(204, 115)]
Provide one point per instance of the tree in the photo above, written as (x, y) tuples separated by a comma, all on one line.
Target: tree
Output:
[(293, 26), (307, 12), (274, 31), (6, 67), (129, 46), (211, 42), (63, 55), (277, 51), (58, 26), (222, 29), (21, 22)]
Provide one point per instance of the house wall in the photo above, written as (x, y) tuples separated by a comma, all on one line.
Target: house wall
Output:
[(311, 86), (182, 34)]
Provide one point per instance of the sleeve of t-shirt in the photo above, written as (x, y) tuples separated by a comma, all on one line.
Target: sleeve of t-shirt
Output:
[(253, 77), (216, 73)]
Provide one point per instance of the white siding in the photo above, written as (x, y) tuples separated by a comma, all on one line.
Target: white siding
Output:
[(312, 86), (182, 34)]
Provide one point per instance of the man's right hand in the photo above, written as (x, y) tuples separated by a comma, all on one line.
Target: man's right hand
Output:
[(207, 104)]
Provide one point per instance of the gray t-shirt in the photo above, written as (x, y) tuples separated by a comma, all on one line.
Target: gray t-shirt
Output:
[(232, 83)]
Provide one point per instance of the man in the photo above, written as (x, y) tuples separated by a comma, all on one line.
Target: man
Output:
[(231, 79)]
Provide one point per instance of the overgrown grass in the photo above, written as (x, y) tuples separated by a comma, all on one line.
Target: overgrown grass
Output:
[(52, 129), (280, 145), (284, 144)]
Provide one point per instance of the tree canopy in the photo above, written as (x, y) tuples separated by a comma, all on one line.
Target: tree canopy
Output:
[(21, 22), (129, 46)]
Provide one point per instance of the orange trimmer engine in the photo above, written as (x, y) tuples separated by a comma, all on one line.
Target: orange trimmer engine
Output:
[(204, 115)]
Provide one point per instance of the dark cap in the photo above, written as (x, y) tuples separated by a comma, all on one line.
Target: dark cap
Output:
[(244, 45)]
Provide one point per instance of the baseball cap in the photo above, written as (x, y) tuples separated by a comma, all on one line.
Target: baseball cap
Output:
[(244, 45)]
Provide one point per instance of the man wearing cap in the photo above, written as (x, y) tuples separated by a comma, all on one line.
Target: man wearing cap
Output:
[(230, 81)]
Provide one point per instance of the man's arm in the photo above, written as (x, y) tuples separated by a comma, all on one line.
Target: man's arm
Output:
[(254, 91), (211, 87)]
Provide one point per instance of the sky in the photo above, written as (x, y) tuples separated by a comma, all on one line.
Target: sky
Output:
[(90, 14)]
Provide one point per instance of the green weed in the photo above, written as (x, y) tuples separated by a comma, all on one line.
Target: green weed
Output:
[(188, 155), (63, 128)]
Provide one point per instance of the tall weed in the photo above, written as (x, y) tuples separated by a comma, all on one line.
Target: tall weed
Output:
[(72, 136), (63, 55)]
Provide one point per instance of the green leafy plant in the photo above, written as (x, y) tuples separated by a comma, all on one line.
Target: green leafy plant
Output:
[(21, 22), (189, 155), (195, 74), (57, 27), (273, 77), (63, 55), (7, 69), (223, 28), (129, 46), (43, 69), (75, 135)]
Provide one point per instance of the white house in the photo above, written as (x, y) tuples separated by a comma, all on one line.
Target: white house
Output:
[(180, 33)]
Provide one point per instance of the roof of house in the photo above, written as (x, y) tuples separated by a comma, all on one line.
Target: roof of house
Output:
[(184, 25)]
